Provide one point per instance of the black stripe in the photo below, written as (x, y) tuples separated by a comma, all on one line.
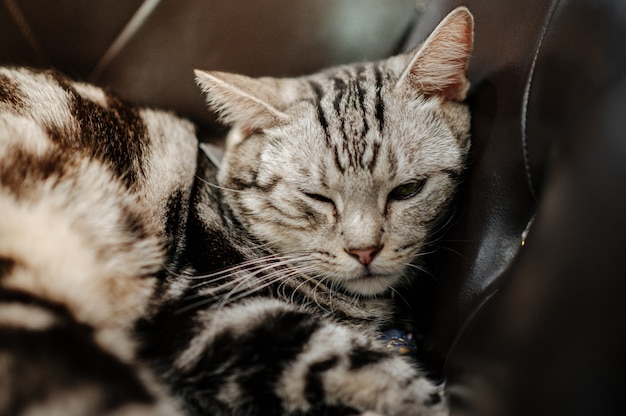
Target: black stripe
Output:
[(17, 296), (270, 185), (6, 266), (433, 399), (56, 361), (314, 387), (20, 168), (340, 91), (393, 163), (133, 223), (115, 135), (379, 105), (361, 356), (175, 221), (375, 151), (158, 346), (317, 89), (271, 206), (338, 164), (257, 358), (208, 247), (361, 77), (310, 214), (10, 92), (253, 183), (453, 174), (277, 342)]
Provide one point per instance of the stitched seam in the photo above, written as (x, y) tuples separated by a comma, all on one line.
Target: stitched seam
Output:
[(526, 98)]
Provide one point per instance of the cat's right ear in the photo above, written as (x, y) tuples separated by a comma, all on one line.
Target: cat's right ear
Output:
[(248, 102), (439, 65)]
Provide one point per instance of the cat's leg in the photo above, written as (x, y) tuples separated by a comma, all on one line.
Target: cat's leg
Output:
[(267, 357), (341, 365), (51, 364)]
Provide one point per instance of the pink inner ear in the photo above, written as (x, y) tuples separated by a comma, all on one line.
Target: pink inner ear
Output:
[(456, 90), (440, 65), (457, 64)]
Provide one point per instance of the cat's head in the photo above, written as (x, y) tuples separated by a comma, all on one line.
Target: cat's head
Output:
[(346, 172)]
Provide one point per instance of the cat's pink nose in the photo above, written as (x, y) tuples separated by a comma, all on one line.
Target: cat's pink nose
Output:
[(364, 255)]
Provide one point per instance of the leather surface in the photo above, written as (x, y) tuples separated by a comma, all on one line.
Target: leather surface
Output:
[(496, 202), (532, 329), (539, 329)]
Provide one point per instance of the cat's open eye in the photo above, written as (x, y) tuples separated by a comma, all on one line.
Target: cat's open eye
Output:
[(320, 198), (407, 190)]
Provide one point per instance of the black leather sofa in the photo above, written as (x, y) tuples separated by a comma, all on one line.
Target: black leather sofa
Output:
[(528, 315)]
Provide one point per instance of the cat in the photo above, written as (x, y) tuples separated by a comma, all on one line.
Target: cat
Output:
[(140, 275)]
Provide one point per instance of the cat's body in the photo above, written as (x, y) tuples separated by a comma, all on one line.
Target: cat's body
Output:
[(137, 278)]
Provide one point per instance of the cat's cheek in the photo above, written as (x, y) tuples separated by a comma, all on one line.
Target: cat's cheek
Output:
[(404, 226)]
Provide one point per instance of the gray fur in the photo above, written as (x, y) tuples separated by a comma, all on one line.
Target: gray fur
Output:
[(313, 162), (137, 278)]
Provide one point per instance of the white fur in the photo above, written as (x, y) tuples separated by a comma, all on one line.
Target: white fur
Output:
[(17, 315), (378, 386), (172, 140), (68, 253), (330, 341), (37, 98), (22, 131), (91, 93)]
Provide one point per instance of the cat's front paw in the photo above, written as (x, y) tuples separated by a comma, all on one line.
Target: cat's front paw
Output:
[(421, 398), (357, 372), (394, 388)]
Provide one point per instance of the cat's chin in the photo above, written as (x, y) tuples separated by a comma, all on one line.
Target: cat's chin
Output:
[(369, 284)]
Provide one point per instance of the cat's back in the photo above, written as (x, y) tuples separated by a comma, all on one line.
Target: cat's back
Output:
[(81, 166), (86, 182), (46, 109)]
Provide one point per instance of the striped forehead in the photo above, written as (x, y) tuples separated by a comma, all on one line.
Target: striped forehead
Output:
[(351, 112)]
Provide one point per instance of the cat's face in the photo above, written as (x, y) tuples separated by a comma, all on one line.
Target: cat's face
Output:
[(346, 173)]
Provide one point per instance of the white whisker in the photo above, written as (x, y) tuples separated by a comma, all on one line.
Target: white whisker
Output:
[(269, 280), (217, 186), (423, 270), (254, 284), (251, 268), (397, 293)]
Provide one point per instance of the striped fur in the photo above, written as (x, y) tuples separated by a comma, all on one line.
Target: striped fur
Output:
[(317, 166), (81, 242), (138, 278)]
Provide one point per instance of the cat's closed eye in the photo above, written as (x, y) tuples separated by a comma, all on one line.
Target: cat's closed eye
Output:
[(319, 198), (407, 190)]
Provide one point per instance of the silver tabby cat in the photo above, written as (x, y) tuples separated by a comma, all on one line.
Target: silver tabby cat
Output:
[(137, 277)]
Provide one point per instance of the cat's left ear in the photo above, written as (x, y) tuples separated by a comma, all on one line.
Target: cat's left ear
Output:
[(249, 102), (439, 65)]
